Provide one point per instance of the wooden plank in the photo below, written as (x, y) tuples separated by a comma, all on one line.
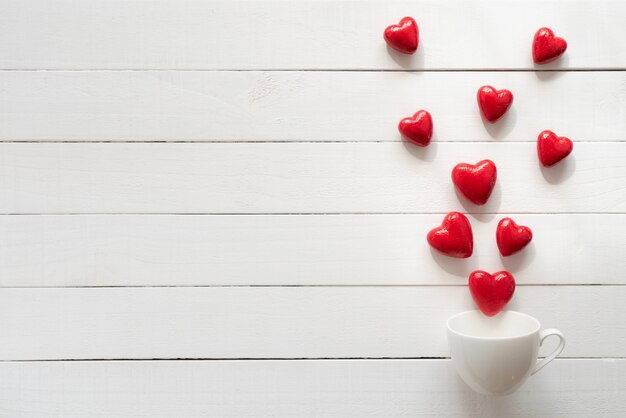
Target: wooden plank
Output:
[(339, 388), (340, 34), (302, 106), (282, 322), (104, 250), (300, 178)]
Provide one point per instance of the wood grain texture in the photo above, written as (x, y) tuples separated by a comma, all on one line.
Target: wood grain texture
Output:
[(302, 105), (283, 322), (170, 250), (300, 178), (341, 34), (339, 388), (298, 212)]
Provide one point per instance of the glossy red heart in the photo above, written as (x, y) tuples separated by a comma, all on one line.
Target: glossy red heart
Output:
[(512, 237), (454, 237), (494, 103), (547, 47), (491, 292), (475, 182), (552, 148), (417, 129), (403, 37)]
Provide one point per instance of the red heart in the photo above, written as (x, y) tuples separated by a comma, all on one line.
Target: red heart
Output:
[(512, 237), (403, 37), (547, 47), (417, 129), (552, 149), (491, 292), (475, 182), (454, 237), (494, 103)]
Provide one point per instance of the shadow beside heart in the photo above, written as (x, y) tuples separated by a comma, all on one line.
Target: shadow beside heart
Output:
[(519, 261), (486, 212), (427, 154), (560, 172), (550, 71), (408, 62), (502, 127), (460, 267)]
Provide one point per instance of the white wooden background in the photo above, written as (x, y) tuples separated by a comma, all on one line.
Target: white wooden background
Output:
[(206, 210)]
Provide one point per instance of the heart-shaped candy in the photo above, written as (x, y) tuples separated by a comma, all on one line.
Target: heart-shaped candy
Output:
[(454, 237), (552, 148), (512, 237), (417, 129), (494, 103), (547, 47), (475, 182), (491, 292), (403, 37)]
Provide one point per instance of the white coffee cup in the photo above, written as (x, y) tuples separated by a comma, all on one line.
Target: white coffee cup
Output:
[(495, 355)]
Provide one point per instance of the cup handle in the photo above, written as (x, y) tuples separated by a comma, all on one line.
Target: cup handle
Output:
[(542, 336)]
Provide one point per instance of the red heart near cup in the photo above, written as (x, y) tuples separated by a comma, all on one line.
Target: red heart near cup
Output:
[(547, 47), (454, 237), (552, 148), (417, 129), (475, 181), (491, 292), (512, 237), (494, 103), (403, 37)]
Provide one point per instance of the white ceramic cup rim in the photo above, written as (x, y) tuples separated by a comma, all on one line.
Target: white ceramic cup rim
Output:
[(476, 337)]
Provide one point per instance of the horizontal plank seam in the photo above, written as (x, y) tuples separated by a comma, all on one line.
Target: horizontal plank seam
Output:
[(327, 70), (227, 359), (295, 213), (224, 141), (303, 213), (301, 285)]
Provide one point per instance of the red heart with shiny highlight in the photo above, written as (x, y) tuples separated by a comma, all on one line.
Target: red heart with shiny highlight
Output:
[(417, 129), (552, 148), (475, 181), (454, 237), (403, 37), (494, 103), (512, 237), (547, 47), (491, 292)]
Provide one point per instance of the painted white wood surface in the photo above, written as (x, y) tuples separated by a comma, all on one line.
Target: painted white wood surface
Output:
[(300, 178), (283, 322), (169, 250), (342, 34), (339, 388), (128, 71), (302, 105)]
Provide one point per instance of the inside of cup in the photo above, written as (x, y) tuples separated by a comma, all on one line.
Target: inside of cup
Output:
[(506, 324)]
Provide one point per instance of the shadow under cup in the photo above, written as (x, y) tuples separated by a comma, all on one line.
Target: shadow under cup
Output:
[(495, 355)]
